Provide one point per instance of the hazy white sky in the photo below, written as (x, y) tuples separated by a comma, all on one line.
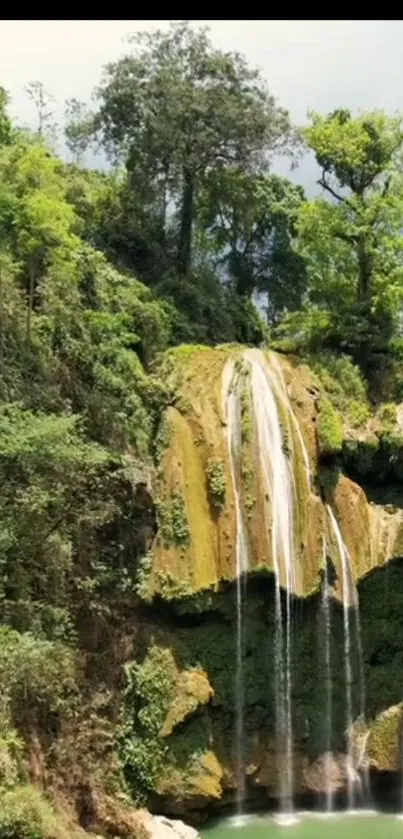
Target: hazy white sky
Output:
[(308, 64)]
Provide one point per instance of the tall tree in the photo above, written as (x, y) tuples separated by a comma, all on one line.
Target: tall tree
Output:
[(78, 128), (176, 109), (44, 102), (350, 236), (250, 222), (358, 159), (5, 124), (34, 213)]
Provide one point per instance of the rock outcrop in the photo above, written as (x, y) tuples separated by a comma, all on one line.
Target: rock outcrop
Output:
[(342, 511)]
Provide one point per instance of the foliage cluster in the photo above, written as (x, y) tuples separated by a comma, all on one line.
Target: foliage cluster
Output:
[(216, 483), (330, 428)]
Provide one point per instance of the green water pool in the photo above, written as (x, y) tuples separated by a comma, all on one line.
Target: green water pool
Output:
[(359, 825)]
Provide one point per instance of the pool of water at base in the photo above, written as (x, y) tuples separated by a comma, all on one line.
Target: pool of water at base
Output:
[(357, 824)]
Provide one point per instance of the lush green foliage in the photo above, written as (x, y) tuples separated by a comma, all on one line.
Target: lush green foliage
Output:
[(345, 386), (26, 814), (216, 483), (148, 691), (350, 237), (172, 521), (330, 428), (100, 273), (216, 112), (250, 229)]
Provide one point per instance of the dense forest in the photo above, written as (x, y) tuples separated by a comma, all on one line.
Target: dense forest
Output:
[(187, 236)]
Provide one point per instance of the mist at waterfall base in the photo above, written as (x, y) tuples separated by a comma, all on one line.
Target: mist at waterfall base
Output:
[(268, 393)]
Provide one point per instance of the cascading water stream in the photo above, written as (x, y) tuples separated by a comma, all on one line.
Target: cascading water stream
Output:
[(350, 600), (278, 481), (285, 400), (362, 765), (232, 412), (328, 685), (347, 602)]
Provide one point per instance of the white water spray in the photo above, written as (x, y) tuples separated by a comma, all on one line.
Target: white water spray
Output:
[(350, 600), (279, 486), (284, 395), (232, 412), (328, 684)]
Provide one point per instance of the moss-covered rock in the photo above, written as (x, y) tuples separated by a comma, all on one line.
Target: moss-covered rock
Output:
[(196, 786), (384, 740), (192, 690), (335, 446)]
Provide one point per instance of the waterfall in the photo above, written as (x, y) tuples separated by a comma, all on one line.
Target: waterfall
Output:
[(328, 685), (232, 412), (285, 400), (279, 487), (362, 764), (363, 768), (350, 599)]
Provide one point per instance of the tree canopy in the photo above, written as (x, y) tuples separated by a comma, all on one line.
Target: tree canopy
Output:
[(177, 110), (349, 237)]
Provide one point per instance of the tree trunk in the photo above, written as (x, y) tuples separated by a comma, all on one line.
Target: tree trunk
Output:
[(185, 234), (364, 268)]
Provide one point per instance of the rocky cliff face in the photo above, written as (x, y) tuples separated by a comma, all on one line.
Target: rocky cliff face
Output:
[(217, 473)]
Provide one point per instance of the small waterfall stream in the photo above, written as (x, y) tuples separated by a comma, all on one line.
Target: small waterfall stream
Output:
[(284, 395), (278, 481), (362, 763), (328, 685), (350, 601), (232, 412)]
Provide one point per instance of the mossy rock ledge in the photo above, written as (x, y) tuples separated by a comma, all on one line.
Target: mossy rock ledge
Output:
[(208, 478)]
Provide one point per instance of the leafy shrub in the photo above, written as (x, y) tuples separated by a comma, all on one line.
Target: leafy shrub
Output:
[(142, 577), (344, 385), (172, 522), (387, 413), (377, 459), (341, 378), (11, 753), (147, 697), (357, 413), (180, 527), (17, 826), (26, 814), (330, 428), (216, 483), (36, 676)]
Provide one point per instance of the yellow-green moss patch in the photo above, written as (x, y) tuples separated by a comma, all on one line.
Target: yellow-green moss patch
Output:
[(383, 748), (192, 690)]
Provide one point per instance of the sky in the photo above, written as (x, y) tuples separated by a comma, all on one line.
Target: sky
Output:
[(308, 64)]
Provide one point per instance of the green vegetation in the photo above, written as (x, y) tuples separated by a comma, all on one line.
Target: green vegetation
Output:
[(143, 575), (216, 484), (387, 414), (172, 521), (102, 275), (180, 528), (147, 698), (25, 813), (345, 386), (349, 238), (330, 428), (375, 459)]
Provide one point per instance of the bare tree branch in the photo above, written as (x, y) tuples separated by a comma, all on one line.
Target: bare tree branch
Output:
[(323, 183)]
